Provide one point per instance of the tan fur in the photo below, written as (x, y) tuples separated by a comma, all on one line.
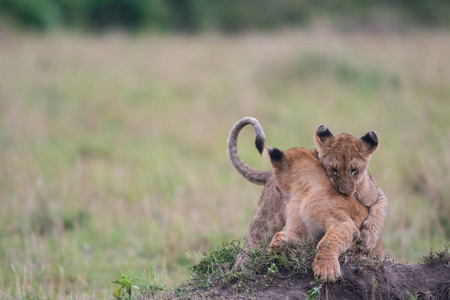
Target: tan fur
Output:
[(315, 208), (270, 216)]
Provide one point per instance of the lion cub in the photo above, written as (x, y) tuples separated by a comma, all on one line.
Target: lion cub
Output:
[(315, 208), (339, 155), (346, 161)]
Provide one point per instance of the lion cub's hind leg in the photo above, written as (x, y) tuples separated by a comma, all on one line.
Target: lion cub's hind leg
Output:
[(269, 218)]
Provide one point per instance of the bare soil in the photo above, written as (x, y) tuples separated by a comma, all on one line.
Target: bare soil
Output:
[(386, 281)]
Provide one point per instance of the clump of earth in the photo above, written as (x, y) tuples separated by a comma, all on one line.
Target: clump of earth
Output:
[(388, 281), (289, 276)]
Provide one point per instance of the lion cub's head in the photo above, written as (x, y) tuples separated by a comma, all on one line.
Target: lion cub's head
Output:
[(344, 157)]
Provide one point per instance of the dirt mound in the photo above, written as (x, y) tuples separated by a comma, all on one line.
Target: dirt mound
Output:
[(389, 281), (288, 275)]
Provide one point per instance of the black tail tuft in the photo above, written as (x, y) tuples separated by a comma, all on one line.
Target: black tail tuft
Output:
[(259, 143)]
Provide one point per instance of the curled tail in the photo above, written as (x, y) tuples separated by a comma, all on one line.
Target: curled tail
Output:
[(252, 175)]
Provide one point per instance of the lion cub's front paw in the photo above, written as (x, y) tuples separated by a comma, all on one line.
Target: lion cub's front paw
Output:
[(326, 267), (279, 240), (369, 237)]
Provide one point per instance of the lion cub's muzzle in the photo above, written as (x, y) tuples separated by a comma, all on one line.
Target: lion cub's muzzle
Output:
[(343, 188), (347, 190)]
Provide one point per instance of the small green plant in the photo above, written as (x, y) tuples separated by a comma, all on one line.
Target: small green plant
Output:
[(272, 269), (412, 297), (125, 289), (315, 291), (139, 287)]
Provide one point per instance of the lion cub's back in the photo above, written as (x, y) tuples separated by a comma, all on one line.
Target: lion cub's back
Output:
[(310, 171)]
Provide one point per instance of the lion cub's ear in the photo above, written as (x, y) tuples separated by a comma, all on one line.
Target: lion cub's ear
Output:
[(369, 142), (323, 136), (276, 156)]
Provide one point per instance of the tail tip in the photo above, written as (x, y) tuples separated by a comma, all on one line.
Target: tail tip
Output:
[(259, 143)]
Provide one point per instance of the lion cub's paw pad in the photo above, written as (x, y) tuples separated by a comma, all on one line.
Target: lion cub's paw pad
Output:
[(278, 242), (326, 268)]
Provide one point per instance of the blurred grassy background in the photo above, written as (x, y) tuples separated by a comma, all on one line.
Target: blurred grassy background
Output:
[(113, 146)]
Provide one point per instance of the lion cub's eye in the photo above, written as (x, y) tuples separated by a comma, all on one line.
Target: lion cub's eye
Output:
[(333, 170), (354, 171)]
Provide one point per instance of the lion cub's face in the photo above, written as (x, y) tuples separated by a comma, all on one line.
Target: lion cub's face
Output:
[(344, 157)]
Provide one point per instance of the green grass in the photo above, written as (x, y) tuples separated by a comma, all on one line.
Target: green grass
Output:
[(442, 256), (214, 270), (113, 152)]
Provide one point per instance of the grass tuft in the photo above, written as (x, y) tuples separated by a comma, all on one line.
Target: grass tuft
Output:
[(215, 270), (442, 256)]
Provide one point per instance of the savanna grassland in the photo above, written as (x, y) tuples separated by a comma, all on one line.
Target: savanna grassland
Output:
[(113, 147)]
